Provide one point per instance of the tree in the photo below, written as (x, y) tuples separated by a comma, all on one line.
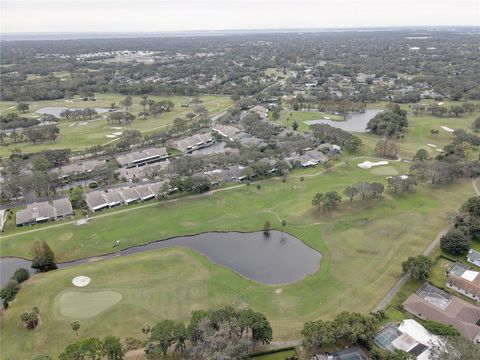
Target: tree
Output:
[(261, 329), (112, 348), (317, 200), (421, 155), (127, 102), (21, 275), (476, 124), (468, 220), (77, 199), (418, 267), (318, 334), (9, 292), (331, 200), (455, 242), (387, 149), (23, 107), (43, 256), (454, 348), (75, 326), (295, 125), (146, 329), (88, 348), (161, 338), (266, 227), (351, 192)]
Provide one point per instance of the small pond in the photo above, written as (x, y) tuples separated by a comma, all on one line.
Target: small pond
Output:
[(57, 110), (277, 258), (356, 122)]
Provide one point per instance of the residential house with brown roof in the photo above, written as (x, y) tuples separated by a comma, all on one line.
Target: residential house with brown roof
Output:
[(431, 303), (464, 280)]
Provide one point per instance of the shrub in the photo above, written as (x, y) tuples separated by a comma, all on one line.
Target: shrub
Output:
[(440, 329), (9, 292), (21, 275)]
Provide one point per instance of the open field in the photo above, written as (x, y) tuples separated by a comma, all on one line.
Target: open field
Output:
[(77, 137), (362, 247)]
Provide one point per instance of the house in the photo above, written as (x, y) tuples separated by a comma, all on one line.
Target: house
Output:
[(62, 207), (473, 257), (144, 192), (431, 303), (354, 352), (113, 198), (129, 195), (226, 131), (144, 172), (44, 211), (332, 149), (247, 139), (310, 158), (194, 142), (464, 280), (409, 336), (261, 111), (96, 200), (142, 157)]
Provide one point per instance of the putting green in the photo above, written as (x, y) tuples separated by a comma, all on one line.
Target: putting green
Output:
[(384, 170), (87, 304)]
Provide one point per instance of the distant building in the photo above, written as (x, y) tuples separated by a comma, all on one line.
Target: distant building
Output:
[(464, 280), (44, 211), (142, 157), (354, 353), (310, 158), (100, 199), (194, 142), (226, 131), (68, 170), (431, 303), (473, 257)]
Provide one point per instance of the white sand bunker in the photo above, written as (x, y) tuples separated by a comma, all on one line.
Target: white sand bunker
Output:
[(116, 127), (117, 133), (446, 128), (369, 164), (432, 145), (81, 281), (327, 118), (83, 123), (110, 136)]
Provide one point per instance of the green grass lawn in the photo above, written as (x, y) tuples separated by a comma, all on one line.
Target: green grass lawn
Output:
[(287, 117), (79, 137), (362, 247)]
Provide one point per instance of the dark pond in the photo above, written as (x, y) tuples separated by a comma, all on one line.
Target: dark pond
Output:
[(278, 258), (356, 122), (57, 110)]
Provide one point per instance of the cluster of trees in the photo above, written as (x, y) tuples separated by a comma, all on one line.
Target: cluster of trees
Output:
[(79, 114), (346, 328), (14, 121), (466, 228), (329, 134), (399, 184), (9, 292), (365, 190), (326, 201), (191, 184), (42, 133), (120, 117), (389, 122), (92, 348), (30, 318), (222, 333)]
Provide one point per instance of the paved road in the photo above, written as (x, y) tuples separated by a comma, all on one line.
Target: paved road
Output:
[(404, 279)]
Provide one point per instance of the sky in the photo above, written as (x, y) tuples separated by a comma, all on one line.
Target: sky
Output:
[(35, 16)]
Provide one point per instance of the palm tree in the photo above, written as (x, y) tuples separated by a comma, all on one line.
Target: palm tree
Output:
[(75, 326)]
